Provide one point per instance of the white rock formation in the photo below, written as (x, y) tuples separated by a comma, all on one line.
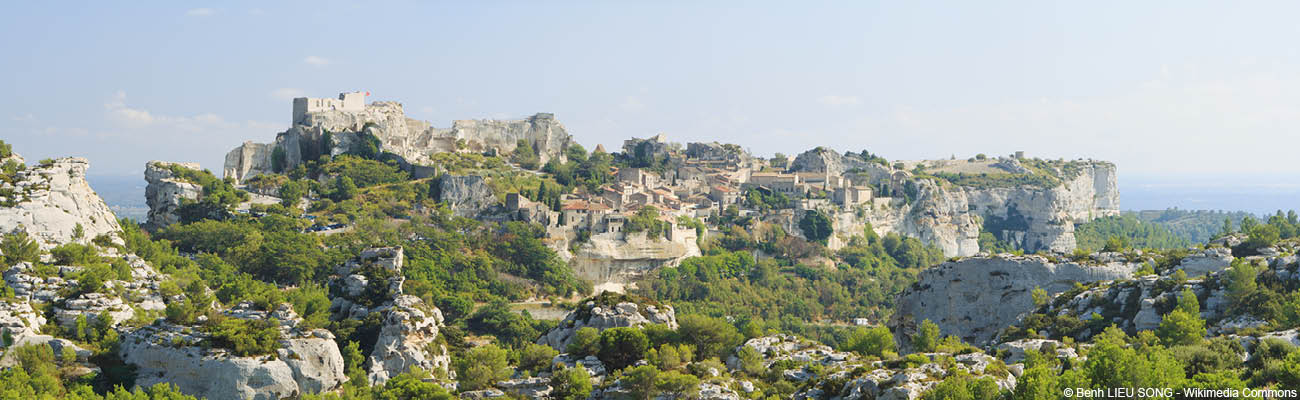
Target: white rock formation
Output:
[(775, 348), (1016, 349), (409, 329), (91, 305), (975, 298), (1207, 261), (306, 362), (249, 159), (409, 335), (165, 191), (22, 323), (50, 200)]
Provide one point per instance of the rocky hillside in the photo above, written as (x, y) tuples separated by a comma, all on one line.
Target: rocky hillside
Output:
[(336, 132), (986, 300)]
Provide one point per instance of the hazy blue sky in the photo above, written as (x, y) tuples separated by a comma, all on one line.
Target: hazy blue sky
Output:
[(1165, 89)]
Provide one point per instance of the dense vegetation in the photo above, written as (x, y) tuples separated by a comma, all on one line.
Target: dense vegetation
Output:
[(1129, 230), (786, 290), (1193, 226)]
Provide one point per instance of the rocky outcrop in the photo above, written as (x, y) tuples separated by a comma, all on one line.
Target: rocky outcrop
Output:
[(92, 306), (410, 329), (334, 132), (817, 368), (21, 323), (615, 259), (51, 200), (774, 348), (1036, 218), (165, 191), (975, 298), (714, 151), (467, 196), (408, 336), (1140, 304), (306, 361), (1015, 350), (1206, 261), (542, 131), (910, 383), (822, 159), (608, 310)]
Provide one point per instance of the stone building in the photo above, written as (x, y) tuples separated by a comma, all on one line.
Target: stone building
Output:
[(349, 102)]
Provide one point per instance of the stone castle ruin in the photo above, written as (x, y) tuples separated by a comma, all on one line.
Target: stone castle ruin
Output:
[(326, 126), (347, 102)]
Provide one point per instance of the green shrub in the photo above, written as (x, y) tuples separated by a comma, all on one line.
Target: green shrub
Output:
[(244, 337)]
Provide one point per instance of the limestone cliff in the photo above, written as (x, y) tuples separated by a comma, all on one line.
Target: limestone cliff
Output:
[(165, 191), (1035, 210), (336, 131), (51, 200), (975, 298)]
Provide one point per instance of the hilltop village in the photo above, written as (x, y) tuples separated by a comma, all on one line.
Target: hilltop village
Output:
[(1031, 203)]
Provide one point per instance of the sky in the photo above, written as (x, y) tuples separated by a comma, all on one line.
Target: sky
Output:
[(1185, 92)]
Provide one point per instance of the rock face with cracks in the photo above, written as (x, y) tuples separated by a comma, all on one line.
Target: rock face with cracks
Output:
[(975, 298)]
